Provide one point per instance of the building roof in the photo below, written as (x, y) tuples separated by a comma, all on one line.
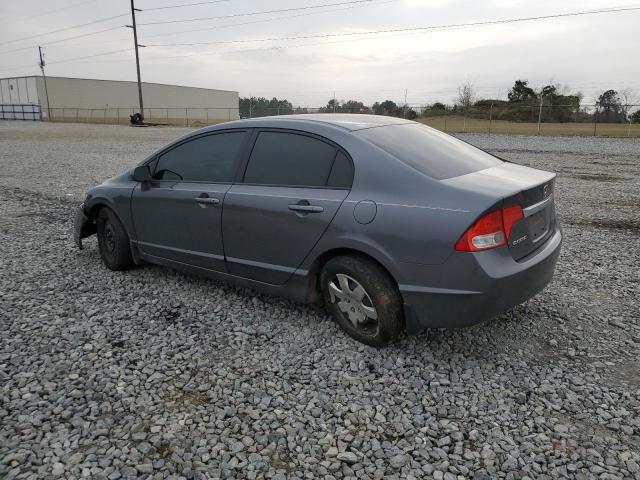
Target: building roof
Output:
[(116, 81)]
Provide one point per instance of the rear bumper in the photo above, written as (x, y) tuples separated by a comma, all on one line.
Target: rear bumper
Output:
[(486, 284)]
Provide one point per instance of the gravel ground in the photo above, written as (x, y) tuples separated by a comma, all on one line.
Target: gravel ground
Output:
[(156, 374)]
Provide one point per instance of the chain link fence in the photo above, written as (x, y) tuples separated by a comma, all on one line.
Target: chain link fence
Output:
[(178, 116), (499, 117), (504, 118)]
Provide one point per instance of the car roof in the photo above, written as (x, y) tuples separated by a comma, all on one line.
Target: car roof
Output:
[(346, 121)]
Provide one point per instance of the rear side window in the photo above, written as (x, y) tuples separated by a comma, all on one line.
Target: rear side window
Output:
[(429, 151), (211, 158), (341, 175), (281, 158)]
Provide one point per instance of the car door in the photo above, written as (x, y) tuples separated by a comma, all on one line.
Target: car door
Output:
[(292, 187), (177, 216)]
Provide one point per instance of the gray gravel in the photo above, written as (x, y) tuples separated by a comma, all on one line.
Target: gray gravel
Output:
[(156, 374)]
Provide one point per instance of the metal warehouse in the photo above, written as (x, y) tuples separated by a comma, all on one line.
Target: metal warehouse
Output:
[(112, 101)]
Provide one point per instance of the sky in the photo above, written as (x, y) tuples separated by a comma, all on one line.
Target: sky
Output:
[(261, 54)]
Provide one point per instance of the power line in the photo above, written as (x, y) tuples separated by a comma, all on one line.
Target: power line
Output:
[(65, 29), (55, 10), (413, 29), (67, 60), (254, 13), (394, 32), (279, 47), (207, 29), (53, 42), (187, 5), (266, 20)]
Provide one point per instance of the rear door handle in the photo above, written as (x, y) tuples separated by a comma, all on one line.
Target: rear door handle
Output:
[(306, 208), (207, 200)]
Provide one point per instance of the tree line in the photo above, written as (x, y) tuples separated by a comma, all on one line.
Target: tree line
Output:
[(522, 105)]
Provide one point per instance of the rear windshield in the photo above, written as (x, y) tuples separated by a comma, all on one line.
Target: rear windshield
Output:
[(429, 151)]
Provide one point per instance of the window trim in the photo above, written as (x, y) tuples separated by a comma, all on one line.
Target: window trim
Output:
[(155, 160), (252, 142)]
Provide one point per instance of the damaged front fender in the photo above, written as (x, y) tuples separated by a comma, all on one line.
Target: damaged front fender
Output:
[(83, 226)]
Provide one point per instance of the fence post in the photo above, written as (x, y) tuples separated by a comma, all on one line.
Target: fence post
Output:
[(629, 127), (104, 116), (445, 124), (490, 117), (540, 113), (464, 123), (595, 120), (186, 117)]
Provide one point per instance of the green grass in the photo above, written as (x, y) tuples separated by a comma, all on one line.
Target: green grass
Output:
[(455, 124), (446, 123)]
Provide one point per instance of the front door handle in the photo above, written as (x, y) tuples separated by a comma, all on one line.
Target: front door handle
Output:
[(207, 200), (306, 208)]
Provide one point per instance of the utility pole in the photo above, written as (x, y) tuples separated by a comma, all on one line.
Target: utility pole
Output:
[(334, 101), (44, 77), (135, 41)]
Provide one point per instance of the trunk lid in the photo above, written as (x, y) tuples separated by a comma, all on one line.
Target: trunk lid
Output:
[(531, 189)]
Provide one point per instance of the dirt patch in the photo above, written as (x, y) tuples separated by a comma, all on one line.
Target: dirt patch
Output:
[(627, 372), (599, 177), (632, 226)]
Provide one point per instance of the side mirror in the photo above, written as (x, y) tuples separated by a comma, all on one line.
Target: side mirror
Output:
[(142, 173)]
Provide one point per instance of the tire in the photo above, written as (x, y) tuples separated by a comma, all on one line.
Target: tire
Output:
[(352, 310), (113, 241)]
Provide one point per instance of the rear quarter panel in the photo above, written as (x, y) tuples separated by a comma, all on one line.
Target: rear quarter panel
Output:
[(418, 219)]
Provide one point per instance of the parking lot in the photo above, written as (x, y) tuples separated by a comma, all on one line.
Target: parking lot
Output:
[(153, 373)]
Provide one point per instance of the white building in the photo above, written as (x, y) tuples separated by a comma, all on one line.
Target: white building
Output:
[(111, 101)]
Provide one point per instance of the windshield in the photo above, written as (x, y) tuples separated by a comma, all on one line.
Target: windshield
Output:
[(429, 151)]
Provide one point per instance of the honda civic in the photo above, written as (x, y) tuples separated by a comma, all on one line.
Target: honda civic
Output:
[(392, 225)]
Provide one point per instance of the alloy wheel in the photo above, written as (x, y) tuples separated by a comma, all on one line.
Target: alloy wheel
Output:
[(354, 301)]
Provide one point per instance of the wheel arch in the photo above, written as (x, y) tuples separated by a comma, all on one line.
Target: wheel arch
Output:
[(119, 207), (98, 203), (321, 260)]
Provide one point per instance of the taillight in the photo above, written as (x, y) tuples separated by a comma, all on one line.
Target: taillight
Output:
[(511, 215), (491, 230)]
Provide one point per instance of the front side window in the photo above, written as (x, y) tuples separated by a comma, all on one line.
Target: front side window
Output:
[(211, 158), (281, 158)]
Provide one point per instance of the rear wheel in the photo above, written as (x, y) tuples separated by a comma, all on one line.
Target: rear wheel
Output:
[(363, 299), (113, 241)]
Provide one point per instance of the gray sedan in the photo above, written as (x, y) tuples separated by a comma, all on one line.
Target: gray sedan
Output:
[(390, 224)]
